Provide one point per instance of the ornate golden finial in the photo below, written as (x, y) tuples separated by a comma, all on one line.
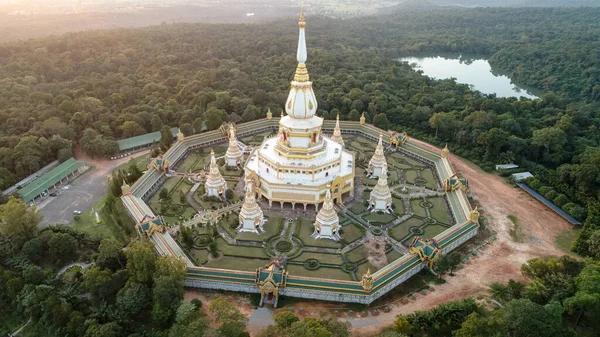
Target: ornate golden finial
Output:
[(367, 280), (301, 22), (474, 215), (445, 151), (125, 189), (362, 119), (180, 136), (269, 113)]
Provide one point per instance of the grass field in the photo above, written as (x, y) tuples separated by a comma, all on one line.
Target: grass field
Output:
[(417, 209), (375, 218), (237, 263), (323, 272), (323, 258), (430, 231), (351, 233), (428, 175), (393, 255), (357, 254), (240, 251), (439, 211), (271, 228), (363, 267), (400, 231), (398, 206), (87, 223), (565, 240)]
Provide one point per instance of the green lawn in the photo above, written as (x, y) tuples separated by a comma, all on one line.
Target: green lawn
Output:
[(329, 273), (240, 251), (428, 175), (199, 256), (323, 258), (410, 176), (399, 206), (139, 161), (417, 209), (358, 208), (439, 211), (362, 269), (431, 231), (237, 263), (393, 255), (382, 219), (357, 254), (87, 223), (351, 232), (564, 241), (400, 231)]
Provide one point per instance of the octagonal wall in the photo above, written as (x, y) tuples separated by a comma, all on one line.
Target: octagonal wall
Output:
[(384, 280)]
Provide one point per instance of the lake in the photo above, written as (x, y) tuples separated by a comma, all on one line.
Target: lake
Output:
[(474, 71)]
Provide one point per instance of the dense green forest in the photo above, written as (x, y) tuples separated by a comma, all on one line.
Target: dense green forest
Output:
[(89, 89)]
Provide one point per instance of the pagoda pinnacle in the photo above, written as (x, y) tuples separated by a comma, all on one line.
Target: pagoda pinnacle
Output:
[(337, 132)]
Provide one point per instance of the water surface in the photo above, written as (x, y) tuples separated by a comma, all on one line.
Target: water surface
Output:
[(475, 71)]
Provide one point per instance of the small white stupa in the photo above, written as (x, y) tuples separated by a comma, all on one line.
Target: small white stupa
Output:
[(327, 223), (233, 156), (215, 183), (378, 161), (381, 197), (337, 132), (251, 216)]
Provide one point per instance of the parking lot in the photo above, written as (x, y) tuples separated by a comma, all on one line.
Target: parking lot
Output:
[(83, 192), (81, 195)]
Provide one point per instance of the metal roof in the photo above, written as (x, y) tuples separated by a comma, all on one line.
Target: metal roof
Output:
[(506, 166), (550, 204), (41, 184), (142, 140), (521, 176)]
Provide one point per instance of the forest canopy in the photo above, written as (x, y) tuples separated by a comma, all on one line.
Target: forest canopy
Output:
[(89, 89)]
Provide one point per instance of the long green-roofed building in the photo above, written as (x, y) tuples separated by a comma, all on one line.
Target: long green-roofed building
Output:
[(142, 141), (51, 179)]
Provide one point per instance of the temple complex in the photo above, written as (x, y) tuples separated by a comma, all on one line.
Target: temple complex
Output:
[(378, 161), (233, 156), (251, 216), (381, 197), (215, 183), (298, 164)]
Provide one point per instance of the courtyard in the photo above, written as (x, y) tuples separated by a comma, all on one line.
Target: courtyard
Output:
[(369, 240)]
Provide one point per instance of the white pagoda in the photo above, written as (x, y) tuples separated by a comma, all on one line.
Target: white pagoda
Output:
[(233, 156), (337, 132), (327, 223), (381, 197), (251, 216), (378, 161), (298, 164), (215, 183)]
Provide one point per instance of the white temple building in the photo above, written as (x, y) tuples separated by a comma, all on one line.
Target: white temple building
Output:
[(381, 197), (233, 156), (215, 183), (298, 164), (327, 223), (251, 216), (378, 161)]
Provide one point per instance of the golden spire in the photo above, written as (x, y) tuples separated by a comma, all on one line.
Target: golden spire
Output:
[(180, 136), (337, 132), (125, 189), (445, 152), (362, 118), (301, 21)]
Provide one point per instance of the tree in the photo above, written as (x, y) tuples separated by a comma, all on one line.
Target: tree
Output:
[(18, 222), (212, 247), (477, 325), (163, 194), (62, 247), (168, 290), (381, 121), (110, 254), (447, 263), (33, 274), (33, 249), (111, 329), (134, 299), (285, 319), (141, 262), (308, 327), (401, 324), (166, 137), (131, 129), (527, 319)]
